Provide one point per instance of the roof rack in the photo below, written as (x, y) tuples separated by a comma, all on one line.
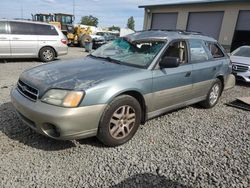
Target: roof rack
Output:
[(184, 32)]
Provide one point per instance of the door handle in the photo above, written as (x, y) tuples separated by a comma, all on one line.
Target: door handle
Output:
[(188, 74)]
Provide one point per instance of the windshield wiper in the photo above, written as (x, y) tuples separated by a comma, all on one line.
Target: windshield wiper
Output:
[(107, 58)]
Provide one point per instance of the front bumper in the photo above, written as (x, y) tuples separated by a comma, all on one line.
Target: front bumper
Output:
[(68, 123), (242, 76)]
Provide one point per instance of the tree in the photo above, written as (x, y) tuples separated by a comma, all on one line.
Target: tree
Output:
[(131, 23), (89, 20), (114, 28)]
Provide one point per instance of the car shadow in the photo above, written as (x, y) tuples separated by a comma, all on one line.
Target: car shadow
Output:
[(13, 127), (148, 180), (241, 83)]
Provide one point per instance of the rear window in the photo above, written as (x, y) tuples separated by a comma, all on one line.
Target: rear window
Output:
[(214, 50), (3, 28), (20, 28), (45, 30)]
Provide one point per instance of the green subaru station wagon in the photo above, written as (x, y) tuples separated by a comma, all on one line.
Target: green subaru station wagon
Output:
[(123, 84)]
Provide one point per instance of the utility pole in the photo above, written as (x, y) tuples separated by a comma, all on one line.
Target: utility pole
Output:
[(74, 7), (22, 10)]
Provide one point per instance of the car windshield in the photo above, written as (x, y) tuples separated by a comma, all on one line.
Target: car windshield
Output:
[(138, 53), (242, 51)]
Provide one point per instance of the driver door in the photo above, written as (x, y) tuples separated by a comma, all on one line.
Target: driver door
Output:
[(173, 86)]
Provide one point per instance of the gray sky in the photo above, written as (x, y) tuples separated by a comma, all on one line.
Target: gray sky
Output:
[(109, 12)]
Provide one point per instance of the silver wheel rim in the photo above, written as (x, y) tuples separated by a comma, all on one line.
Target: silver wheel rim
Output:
[(48, 54), (122, 122), (214, 94)]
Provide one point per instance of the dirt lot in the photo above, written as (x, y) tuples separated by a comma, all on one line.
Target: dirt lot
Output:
[(191, 147)]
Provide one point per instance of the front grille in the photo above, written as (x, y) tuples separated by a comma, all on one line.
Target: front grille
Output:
[(27, 91), (240, 68)]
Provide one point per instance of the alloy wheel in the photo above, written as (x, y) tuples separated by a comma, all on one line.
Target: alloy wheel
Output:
[(48, 54), (122, 122), (214, 94)]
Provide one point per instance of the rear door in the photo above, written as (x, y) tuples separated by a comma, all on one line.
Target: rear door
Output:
[(23, 40), (4, 40), (205, 65), (47, 36)]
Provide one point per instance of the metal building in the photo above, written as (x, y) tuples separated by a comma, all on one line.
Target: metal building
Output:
[(226, 20)]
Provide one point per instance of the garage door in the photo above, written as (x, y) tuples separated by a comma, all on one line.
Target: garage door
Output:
[(243, 23), (164, 21), (208, 23), (242, 30)]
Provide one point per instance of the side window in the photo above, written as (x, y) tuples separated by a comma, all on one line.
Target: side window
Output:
[(20, 28), (214, 49), (45, 30), (178, 50), (3, 28), (197, 50)]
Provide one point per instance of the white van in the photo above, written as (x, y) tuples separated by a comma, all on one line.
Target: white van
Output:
[(26, 39)]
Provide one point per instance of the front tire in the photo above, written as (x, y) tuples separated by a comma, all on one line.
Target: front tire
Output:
[(213, 95), (47, 54), (119, 121)]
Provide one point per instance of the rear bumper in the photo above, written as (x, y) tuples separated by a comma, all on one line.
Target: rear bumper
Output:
[(62, 50), (69, 123), (229, 81)]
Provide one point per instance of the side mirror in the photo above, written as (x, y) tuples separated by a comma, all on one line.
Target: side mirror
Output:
[(169, 62)]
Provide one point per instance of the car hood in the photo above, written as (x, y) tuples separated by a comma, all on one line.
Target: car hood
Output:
[(241, 60), (74, 75)]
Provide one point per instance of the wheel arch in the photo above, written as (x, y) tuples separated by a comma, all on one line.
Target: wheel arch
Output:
[(48, 47), (139, 97), (221, 78)]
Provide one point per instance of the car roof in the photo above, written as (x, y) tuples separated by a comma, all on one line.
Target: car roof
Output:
[(165, 35), (25, 21)]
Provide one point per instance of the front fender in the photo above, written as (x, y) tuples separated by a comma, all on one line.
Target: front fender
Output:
[(106, 92)]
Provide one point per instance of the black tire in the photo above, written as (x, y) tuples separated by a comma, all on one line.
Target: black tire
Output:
[(47, 54), (81, 41), (209, 103), (106, 126)]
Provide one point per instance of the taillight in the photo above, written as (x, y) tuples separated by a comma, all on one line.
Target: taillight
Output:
[(64, 41)]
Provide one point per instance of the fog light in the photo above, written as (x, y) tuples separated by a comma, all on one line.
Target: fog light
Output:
[(50, 130)]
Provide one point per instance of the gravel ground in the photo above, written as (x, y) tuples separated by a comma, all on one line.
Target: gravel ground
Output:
[(190, 147)]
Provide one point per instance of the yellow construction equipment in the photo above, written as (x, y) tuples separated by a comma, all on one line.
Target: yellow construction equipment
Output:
[(75, 35)]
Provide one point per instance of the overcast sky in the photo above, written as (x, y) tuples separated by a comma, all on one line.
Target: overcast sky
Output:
[(109, 12)]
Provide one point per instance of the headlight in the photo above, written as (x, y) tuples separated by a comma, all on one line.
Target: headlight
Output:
[(63, 97)]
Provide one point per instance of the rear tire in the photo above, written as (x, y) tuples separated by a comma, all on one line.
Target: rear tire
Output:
[(47, 54), (120, 121), (213, 95)]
